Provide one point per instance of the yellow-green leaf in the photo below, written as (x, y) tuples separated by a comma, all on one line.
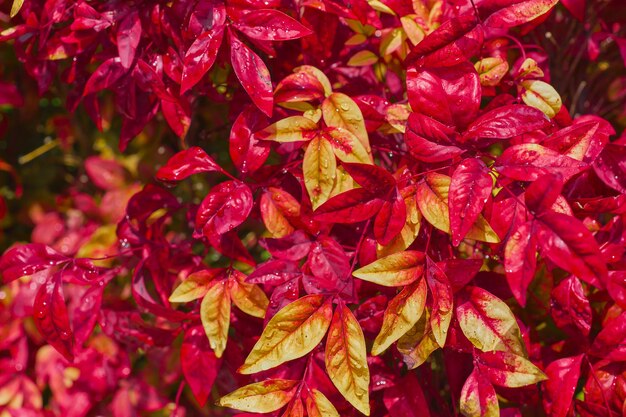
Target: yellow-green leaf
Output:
[(391, 41), (249, 298), (289, 129), (261, 397), (542, 96), (395, 270), (194, 286), (317, 405), (491, 70), (319, 167), (488, 322), (346, 359), (346, 146), (402, 312), (339, 110), (292, 333), (215, 316), (16, 7), (321, 77), (432, 200), (413, 30), (363, 59)]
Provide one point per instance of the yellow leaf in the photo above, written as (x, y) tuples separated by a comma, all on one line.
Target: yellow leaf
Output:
[(432, 200), (317, 405), (395, 270), (261, 397), (363, 59), (403, 311), (488, 322), (339, 110), (346, 146), (292, 333), (346, 359), (289, 129), (542, 96), (418, 343), (321, 77), (215, 316), (194, 286), (319, 167), (16, 7), (249, 298)]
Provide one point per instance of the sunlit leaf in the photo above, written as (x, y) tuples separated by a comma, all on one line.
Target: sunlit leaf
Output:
[(261, 397), (194, 286), (317, 405), (395, 270), (478, 397), (289, 129), (339, 110), (215, 315), (249, 298), (319, 167)]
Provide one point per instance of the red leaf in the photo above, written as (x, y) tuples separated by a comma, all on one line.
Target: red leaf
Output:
[(452, 43), (470, 188), (291, 248), (584, 140), (529, 161), (390, 219), (372, 178), (274, 272), (353, 206), (224, 208), (107, 174), (567, 242), (570, 306), (247, 152), (506, 122), (107, 74), (429, 140), (202, 53), (610, 343), (542, 193), (478, 397), (85, 312), (518, 12), (28, 259), (520, 260), (559, 389), (616, 286), (199, 363), (330, 269), (128, 37), (271, 25), (507, 369), (441, 292), (406, 398), (611, 166), (188, 162), (253, 74), (450, 95), (51, 319)]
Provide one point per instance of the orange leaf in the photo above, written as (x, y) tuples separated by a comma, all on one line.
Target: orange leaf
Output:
[(261, 397), (317, 405), (292, 333), (395, 270), (249, 298)]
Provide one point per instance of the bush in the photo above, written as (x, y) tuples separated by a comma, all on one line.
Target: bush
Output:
[(323, 208)]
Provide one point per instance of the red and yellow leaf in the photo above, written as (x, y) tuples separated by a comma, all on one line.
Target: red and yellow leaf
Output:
[(395, 270), (249, 298), (292, 333), (478, 397), (261, 397), (194, 286), (289, 129), (506, 369), (346, 146), (339, 110), (319, 167), (346, 359), (317, 405), (418, 343), (215, 316), (441, 291)]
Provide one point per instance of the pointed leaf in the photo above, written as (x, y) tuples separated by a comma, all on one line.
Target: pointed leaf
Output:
[(319, 167), (403, 311), (541, 95), (520, 260), (128, 37), (391, 219), (559, 389), (271, 25), (215, 316), (478, 397), (199, 363), (442, 309), (51, 318), (395, 270), (185, 163), (247, 152), (506, 122), (194, 286), (346, 146), (317, 405), (202, 53), (27, 260), (519, 12), (249, 298), (346, 359), (341, 111), (418, 343), (292, 333), (529, 161), (261, 397), (570, 307), (506, 369), (289, 129)]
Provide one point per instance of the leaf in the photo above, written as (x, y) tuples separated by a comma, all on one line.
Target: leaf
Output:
[(271, 25), (346, 146), (520, 261), (541, 195), (16, 7), (609, 344), (583, 140), (559, 389), (319, 167), (187, 162), (418, 343), (289, 129), (610, 167), (374, 179), (529, 161), (391, 219), (491, 70), (277, 208), (478, 397), (261, 397), (246, 151), (224, 208), (570, 307), (105, 76), (317, 405), (27, 260), (429, 140), (194, 286), (249, 298), (128, 37), (299, 87), (506, 369), (432, 200), (346, 359), (409, 231), (519, 12), (402, 312), (292, 333), (406, 398), (488, 322), (470, 188), (363, 58), (506, 122), (450, 95), (252, 74), (569, 244), (395, 270), (215, 316), (339, 110), (51, 317), (442, 309), (199, 364), (542, 96), (351, 206), (295, 408), (202, 53)]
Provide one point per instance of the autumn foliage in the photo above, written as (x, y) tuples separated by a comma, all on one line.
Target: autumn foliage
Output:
[(391, 208)]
